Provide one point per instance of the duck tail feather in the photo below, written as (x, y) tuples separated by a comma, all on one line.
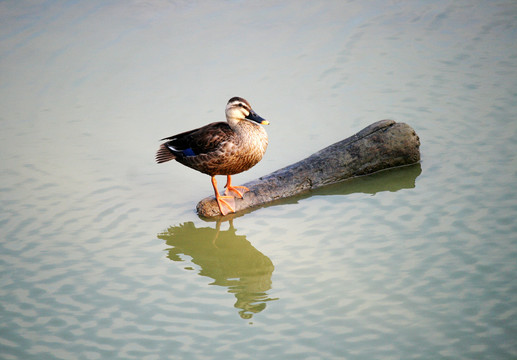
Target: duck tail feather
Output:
[(164, 154)]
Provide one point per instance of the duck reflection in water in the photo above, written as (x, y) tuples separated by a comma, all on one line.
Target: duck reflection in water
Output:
[(234, 263), (227, 258)]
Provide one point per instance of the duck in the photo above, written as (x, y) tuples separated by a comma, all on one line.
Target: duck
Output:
[(221, 148)]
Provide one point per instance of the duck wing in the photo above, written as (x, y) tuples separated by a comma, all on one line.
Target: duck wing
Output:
[(195, 142)]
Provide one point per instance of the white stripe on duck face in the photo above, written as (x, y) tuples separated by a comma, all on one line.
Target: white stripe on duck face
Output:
[(237, 111), (238, 102)]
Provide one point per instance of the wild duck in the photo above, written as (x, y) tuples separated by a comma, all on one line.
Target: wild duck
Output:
[(221, 148)]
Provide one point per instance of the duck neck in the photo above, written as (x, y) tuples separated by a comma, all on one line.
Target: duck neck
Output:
[(241, 126)]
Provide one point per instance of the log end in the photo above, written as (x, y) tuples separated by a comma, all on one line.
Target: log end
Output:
[(208, 207), (257, 195)]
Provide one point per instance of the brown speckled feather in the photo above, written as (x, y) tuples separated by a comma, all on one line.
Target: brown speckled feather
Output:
[(202, 140)]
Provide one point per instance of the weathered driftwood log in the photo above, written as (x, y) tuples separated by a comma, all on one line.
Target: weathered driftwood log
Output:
[(381, 145)]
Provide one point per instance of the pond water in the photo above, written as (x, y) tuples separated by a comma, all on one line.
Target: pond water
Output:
[(102, 255)]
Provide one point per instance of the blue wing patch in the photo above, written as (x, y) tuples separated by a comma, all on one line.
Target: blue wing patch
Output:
[(189, 152)]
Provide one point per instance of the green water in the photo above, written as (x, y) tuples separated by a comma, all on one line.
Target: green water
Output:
[(103, 257)]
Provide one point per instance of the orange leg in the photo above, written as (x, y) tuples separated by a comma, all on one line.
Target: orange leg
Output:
[(237, 190), (226, 203)]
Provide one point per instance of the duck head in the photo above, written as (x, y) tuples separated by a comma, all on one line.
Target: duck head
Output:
[(238, 109)]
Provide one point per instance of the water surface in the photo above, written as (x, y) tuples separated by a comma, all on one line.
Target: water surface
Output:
[(102, 255)]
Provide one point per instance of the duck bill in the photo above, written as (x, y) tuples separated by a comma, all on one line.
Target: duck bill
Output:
[(255, 117)]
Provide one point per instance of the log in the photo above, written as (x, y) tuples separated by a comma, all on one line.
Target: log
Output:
[(381, 145)]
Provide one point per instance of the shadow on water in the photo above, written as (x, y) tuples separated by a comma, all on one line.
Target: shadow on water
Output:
[(392, 180), (232, 262), (396, 179), (227, 258)]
